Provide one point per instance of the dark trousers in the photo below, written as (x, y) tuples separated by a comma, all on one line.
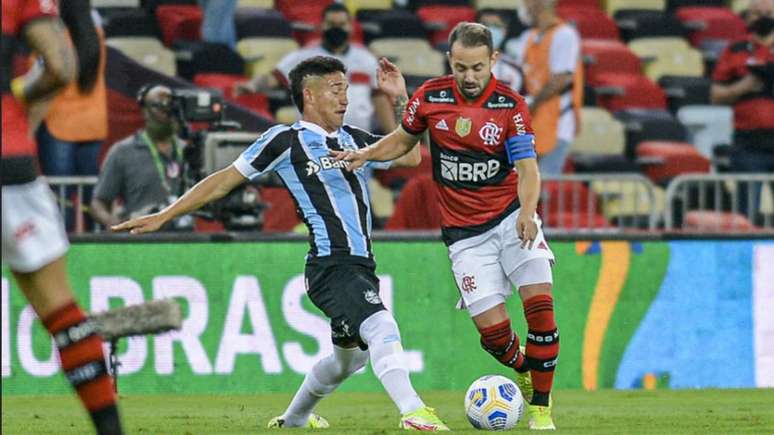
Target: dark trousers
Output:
[(753, 152)]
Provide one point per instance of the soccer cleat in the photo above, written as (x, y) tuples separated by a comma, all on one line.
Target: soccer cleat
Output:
[(540, 418), (424, 420), (524, 381), (314, 422)]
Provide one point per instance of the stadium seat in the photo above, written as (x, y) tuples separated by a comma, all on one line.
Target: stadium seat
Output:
[(396, 23), (417, 206), (629, 203), (304, 16), (708, 220), (262, 54), (280, 215), (440, 20), (711, 23), (252, 23), (132, 22), (607, 56), (257, 4), (649, 125), (496, 4), (599, 134), (672, 5), (413, 56), (590, 22), (257, 103), (664, 160), (613, 6), (147, 51), (708, 126), (668, 56), (594, 4), (179, 22), (683, 91), (567, 196), (637, 23), (198, 57), (628, 91), (355, 5), (106, 4)]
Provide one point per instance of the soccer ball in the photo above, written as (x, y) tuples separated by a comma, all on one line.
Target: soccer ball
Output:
[(494, 403)]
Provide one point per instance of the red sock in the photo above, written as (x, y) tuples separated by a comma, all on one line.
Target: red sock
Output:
[(500, 341), (83, 362), (542, 345)]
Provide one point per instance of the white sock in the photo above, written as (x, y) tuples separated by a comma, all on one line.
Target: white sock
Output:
[(380, 332), (325, 376)]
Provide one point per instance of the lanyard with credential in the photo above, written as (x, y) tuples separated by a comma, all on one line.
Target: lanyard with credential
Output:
[(157, 160)]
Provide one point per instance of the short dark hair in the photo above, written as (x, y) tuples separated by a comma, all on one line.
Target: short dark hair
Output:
[(471, 35), (335, 7), (315, 66)]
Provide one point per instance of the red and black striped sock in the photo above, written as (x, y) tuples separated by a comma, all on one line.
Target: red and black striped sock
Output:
[(83, 363), (542, 345), (500, 341)]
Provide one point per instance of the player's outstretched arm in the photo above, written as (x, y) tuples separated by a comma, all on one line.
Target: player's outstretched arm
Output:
[(212, 188), (390, 147), (529, 193)]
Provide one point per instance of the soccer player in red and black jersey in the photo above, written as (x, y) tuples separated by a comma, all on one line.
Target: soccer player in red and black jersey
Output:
[(479, 130), (34, 241)]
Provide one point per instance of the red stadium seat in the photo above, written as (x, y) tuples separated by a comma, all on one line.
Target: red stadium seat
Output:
[(258, 103), (708, 220), (608, 56), (709, 23), (664, 160), (417, 207), (627, 91), (579, 3), (304, 16), (590, 22), (441, 20), (179, 22), (567, 196), (280, 215)]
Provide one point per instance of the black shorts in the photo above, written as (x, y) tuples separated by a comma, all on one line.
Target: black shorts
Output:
[(348, 294)]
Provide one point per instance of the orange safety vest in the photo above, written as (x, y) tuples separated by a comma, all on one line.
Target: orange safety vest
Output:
[(76, 117), (537, 72)]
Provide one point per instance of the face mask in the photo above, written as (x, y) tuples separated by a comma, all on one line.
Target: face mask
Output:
[(335, 37), (762, 26), (498, 36), (524, 16)]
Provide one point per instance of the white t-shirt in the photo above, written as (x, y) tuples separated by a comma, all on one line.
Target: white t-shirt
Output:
[(361, 72), (507, 73), (563, 58)]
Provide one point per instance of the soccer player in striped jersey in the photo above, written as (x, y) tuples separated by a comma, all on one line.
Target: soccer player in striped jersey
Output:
[(479, 133), (335, 206)]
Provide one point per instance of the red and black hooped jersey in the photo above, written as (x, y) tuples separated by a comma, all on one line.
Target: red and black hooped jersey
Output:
[(468, 143)]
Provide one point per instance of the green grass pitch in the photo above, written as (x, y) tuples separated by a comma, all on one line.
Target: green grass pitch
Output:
[(609, 412)]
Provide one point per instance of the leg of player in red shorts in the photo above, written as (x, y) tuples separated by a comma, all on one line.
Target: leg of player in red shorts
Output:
[(80, 348)]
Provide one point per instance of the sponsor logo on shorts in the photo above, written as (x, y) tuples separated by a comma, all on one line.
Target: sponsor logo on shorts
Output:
[(468, 284), (372, 297), (26, 229)]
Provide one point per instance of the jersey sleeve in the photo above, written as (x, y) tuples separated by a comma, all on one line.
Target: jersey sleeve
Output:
[(520, 138), (565, 49), (268, 152), (414, 121), (724, 68)]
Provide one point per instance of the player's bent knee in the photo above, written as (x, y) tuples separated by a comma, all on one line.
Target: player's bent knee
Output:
[(380, 332)]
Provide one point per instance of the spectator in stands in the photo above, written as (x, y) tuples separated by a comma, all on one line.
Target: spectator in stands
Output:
[(72, 132), (145, 170), (365, 99), (218, 25), (505, 70), (744, 77), (549, 54)]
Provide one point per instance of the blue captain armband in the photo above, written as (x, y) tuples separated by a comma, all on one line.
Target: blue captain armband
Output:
[(520, 147)]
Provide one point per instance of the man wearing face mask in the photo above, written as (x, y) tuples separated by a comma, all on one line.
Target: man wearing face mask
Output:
[(549, 54), (365, 99), (744, 78), (145, 169), (505, 69)]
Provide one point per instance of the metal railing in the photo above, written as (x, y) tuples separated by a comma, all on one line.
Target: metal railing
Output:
[(720, 202), (70, 193)]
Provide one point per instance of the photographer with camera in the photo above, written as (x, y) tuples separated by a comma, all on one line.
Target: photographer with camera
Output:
[(146, 169), (744, 78)]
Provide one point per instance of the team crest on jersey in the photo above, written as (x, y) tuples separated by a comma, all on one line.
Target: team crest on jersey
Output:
[(490, 133), (463, 126)]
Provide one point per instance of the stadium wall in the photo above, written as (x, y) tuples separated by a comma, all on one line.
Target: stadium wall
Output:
[(632, 314)]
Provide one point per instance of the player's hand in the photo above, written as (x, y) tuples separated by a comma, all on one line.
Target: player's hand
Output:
[(390, 79), (526, 229), (354, 159), (142, 224)]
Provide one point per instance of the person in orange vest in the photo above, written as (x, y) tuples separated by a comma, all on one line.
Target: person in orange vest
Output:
[(71, 134), (549, 54)]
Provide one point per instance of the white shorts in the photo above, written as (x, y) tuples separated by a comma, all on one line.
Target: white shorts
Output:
[(482, 264), (33, 232)]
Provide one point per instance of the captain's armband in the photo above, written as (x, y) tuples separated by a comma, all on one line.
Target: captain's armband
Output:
[(520, 147)]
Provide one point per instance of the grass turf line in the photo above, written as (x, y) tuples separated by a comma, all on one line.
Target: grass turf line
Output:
[(612, 412)]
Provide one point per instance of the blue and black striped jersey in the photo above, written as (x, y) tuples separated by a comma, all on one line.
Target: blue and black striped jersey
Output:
[(333, 202)]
